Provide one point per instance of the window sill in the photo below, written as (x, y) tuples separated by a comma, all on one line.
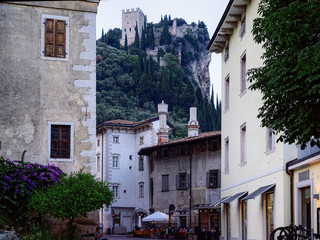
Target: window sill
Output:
[(61, 159), (243, 93), (270, 151), (164, 190), (242, 164), (66, 59)]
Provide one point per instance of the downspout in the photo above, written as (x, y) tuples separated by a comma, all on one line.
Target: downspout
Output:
[(290, 173), (190, 187)]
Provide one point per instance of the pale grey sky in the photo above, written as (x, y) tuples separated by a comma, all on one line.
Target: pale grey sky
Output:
[(208, 11)]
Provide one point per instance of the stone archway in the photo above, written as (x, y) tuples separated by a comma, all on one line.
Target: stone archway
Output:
[(135, 217)]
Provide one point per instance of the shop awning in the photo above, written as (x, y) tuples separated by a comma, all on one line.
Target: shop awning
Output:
[(234, 197), (258, 192), (218, 202)]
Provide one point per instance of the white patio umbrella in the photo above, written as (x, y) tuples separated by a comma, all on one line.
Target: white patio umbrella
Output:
[(156, 217)]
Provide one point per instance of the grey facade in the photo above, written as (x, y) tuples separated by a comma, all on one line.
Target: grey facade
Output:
[(179, 175)]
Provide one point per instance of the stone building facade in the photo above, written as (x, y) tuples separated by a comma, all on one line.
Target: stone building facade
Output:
[(186, 173), (48, 82), (118, 163), (131, 19)]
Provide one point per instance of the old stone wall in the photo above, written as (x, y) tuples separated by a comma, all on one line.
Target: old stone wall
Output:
[(35, 90)]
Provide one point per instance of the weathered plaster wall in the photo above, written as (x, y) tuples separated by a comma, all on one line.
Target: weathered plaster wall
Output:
[(34, 91)]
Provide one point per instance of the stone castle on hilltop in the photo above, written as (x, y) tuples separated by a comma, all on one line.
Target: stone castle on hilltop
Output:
[(131, 19)]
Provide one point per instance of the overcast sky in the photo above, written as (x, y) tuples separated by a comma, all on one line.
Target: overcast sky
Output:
[(208, 11)]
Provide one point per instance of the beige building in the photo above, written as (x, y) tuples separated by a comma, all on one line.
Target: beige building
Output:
[(305, 172), (48, 82), (255, 191), (185, 173), (131, 19)]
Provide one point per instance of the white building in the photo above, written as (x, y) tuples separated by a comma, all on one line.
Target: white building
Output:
[(118, 142), (255, 191)]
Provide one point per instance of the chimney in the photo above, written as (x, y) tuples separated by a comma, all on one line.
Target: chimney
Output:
[(193, 125), (163, 133)]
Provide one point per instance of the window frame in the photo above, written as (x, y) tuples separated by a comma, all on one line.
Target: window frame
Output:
[(54, 17), (213, 178), (165, 184), (115, 193), (227, 93), (98, 163), (243, 73), (242, 30), (243, 144), (71, 158), (179, 181), (115, 139), (141, 190), (270, 141), (226, 155), (141, 140), (118, 161), (141, 163)]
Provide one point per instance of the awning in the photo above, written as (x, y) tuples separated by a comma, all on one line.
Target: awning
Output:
[(218, 202), (234, 197), (258, 192)]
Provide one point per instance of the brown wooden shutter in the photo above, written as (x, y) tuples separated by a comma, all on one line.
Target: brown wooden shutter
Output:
[(49, 48), (60, 35)]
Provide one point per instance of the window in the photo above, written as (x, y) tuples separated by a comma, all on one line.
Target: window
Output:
[(227, 219), (98, 143), (242, 30), (151, 191), (115, 139), (54, 37), (60, 141), (182, 181), (115, 161), (141, 163), (141, 141), (130, 29), (226, 53), (213, 145), (130, 157), (226, 93), (305, 207), (226, 156), (243, 145), (243, 79), (115, 190), (165, 183), (98, 163), (269, 214), (213, 178), (270, 141), (141, 190)]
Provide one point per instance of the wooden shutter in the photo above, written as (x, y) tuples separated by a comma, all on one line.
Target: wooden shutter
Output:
[(219, 178), (177, 182), (60, 38), (207, 179), (188, 181), (49, 46)]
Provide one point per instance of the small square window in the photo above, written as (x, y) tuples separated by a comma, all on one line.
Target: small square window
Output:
[(115, 139), (141, 141), (213, 178), (182, 181)]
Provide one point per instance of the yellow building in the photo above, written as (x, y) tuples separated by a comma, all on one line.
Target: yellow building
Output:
[(306, 188), (255, 191)]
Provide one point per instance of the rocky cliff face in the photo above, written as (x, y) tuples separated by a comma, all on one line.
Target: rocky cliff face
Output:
[(189, 43)]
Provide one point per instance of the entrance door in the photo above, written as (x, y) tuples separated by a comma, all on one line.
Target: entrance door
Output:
[(305, 207), (126, 223)]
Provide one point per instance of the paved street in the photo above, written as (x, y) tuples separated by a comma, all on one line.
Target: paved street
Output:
[(119, 237)]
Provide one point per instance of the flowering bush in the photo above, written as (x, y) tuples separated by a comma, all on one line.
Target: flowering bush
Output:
[(18, 179)]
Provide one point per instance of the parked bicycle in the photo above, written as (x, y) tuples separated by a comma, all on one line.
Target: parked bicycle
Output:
[(293, 232)]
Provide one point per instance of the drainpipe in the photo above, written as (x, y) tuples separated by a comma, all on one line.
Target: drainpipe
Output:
[(290, 173), (190, 187)]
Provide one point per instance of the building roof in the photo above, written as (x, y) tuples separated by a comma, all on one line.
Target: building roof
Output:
[(201, 136), (228, 22), (129, 124)]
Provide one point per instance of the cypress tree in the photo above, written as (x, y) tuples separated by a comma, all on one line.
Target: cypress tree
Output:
[(126, 43), (136, 38)]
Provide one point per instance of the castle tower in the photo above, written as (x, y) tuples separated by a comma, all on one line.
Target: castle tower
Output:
[(193, 125), (163, 134), (131, 18)]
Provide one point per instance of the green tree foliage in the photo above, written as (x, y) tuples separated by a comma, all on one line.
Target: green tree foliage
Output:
[(129, 86), (290, 77), (75, 196)]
